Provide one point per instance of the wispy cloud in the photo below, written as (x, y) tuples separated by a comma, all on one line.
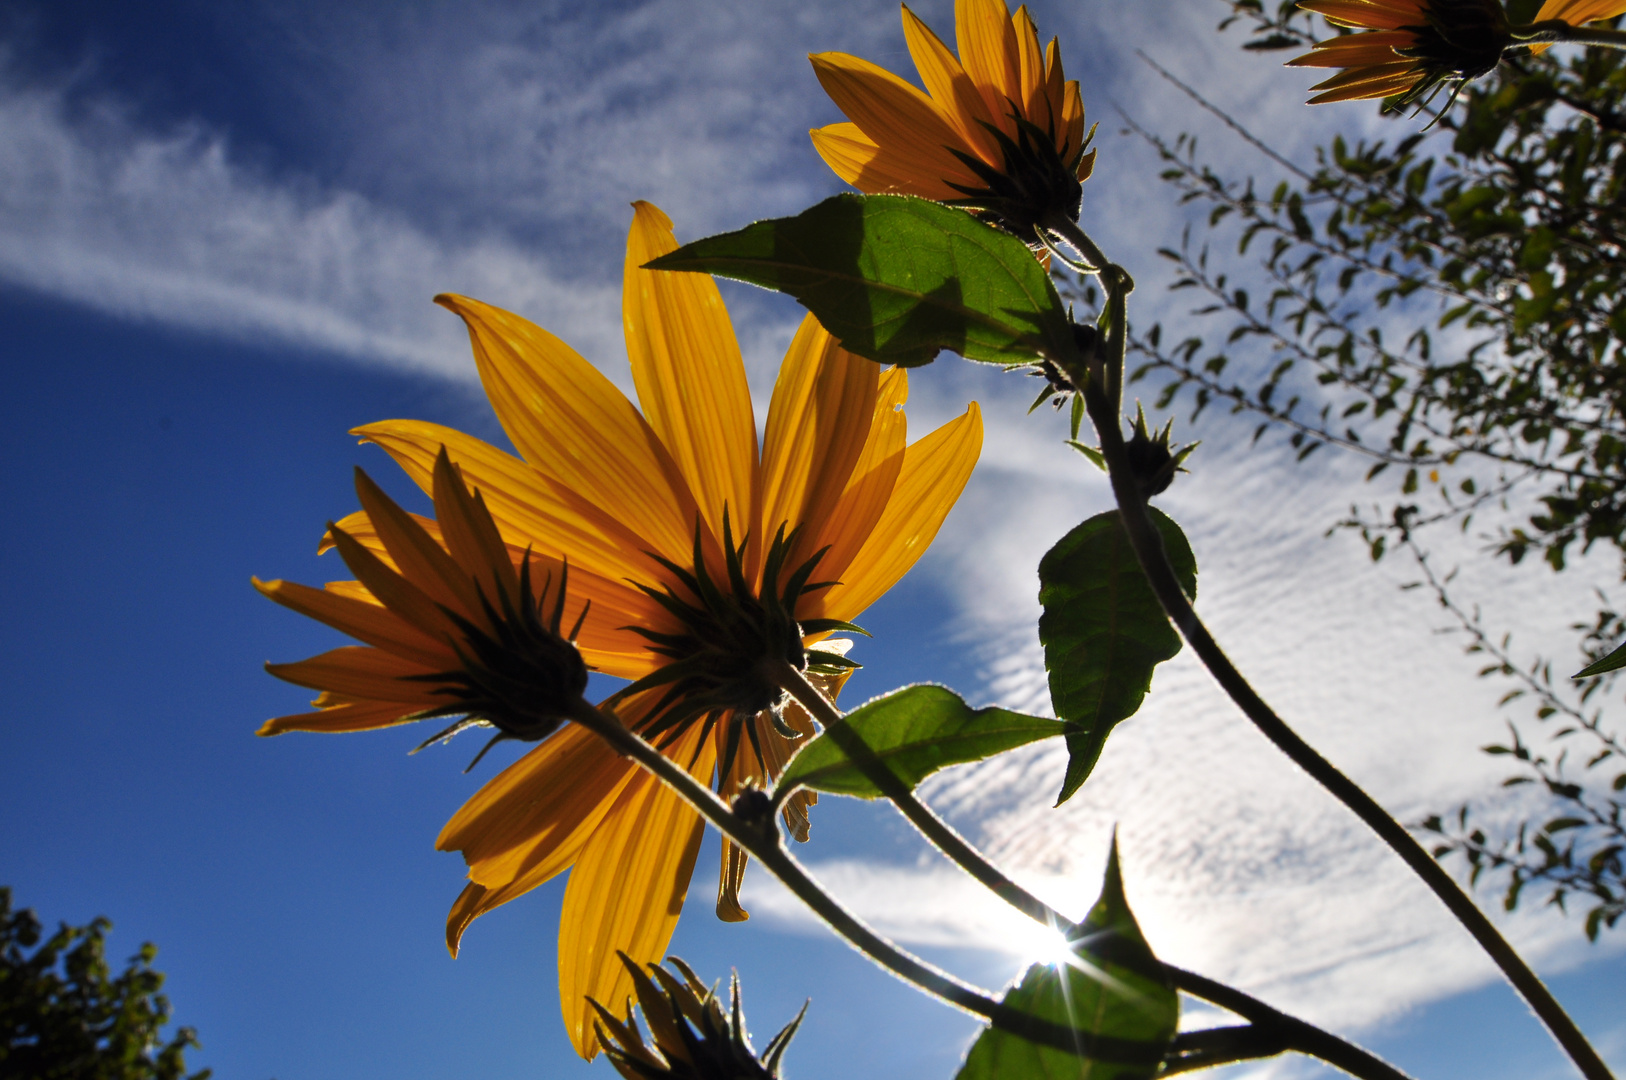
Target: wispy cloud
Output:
[(492, 151), (166, 227), (1238, 865)]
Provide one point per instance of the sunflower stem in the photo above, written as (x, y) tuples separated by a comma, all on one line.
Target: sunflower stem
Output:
[(1118, 285), (1103, 401), (934, 828), (1292, 1033), (1557, 31), (762, 840)]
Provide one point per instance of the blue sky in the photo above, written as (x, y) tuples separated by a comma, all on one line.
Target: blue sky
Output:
[(220, 227)]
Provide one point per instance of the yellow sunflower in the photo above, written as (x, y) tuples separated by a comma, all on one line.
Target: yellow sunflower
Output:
[(999, 127), (683, 540), (1412, 47)]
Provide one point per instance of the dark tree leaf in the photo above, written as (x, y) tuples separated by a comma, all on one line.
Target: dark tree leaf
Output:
[(897, 279), (914, 732), (1116, 995), (1103, 631), (65, 1015)]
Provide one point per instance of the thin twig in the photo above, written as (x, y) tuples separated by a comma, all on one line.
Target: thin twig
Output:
[(758, 835), (1294, 1034), (934, 828), (1105, 409)]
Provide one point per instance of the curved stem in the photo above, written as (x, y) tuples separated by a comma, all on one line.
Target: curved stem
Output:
[(757, 834), (934, 828), (1557, 31), (1292, 1033), (1193, 1050), (1104, 408)]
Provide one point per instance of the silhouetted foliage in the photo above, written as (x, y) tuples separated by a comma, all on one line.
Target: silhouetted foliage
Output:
[(1447, 304), (66, 1016)]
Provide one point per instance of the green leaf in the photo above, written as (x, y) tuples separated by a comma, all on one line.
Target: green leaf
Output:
[(1116, 995), (1612, 662), (913, 732), (1103, 631), (897, 279)]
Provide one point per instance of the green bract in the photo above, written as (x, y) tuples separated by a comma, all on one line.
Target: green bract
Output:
[(1115, 994)]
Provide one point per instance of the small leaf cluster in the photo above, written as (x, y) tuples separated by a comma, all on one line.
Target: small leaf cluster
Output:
[(1288, 26), (65, 1016), (1447, 304), (1554, 855), (1573, 843)]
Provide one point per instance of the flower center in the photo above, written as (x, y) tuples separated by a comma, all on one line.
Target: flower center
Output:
[(723, 664), (521, 676), (1035, 182), (1462, 40)]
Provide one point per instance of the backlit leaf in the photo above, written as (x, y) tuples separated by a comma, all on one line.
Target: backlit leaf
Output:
[(897, 279), (1103, 631), (1614, 661), (913, 732), (1114, 994)]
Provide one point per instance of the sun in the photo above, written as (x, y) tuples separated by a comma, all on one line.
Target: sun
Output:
[(1036, 943)]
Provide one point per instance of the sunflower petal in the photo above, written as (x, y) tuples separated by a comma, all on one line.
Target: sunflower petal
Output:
[(730, 876), (818, 423), (344, 717), (989, 52), (958, 98), (691, 380), (1353, 50), (875, 170), (530, 821), (613, 605), (576, 428), (530, 510), (1030, 65), (1072, 118), (470, 534), (1365, 13), (413, 550), (357, 671), (1576, 12), (935, 471), (626, 891), (369, 623), (894, 115), (400, 596), (849, 525)]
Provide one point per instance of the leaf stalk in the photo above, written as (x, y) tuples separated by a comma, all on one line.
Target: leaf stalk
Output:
[(1103, 403)]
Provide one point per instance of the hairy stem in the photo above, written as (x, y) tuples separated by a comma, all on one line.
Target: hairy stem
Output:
[(1293, 1033), (756, 833), (1557, 31), (934, 828), (1193, 1050), (1290, 1032), (1104, 406)]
